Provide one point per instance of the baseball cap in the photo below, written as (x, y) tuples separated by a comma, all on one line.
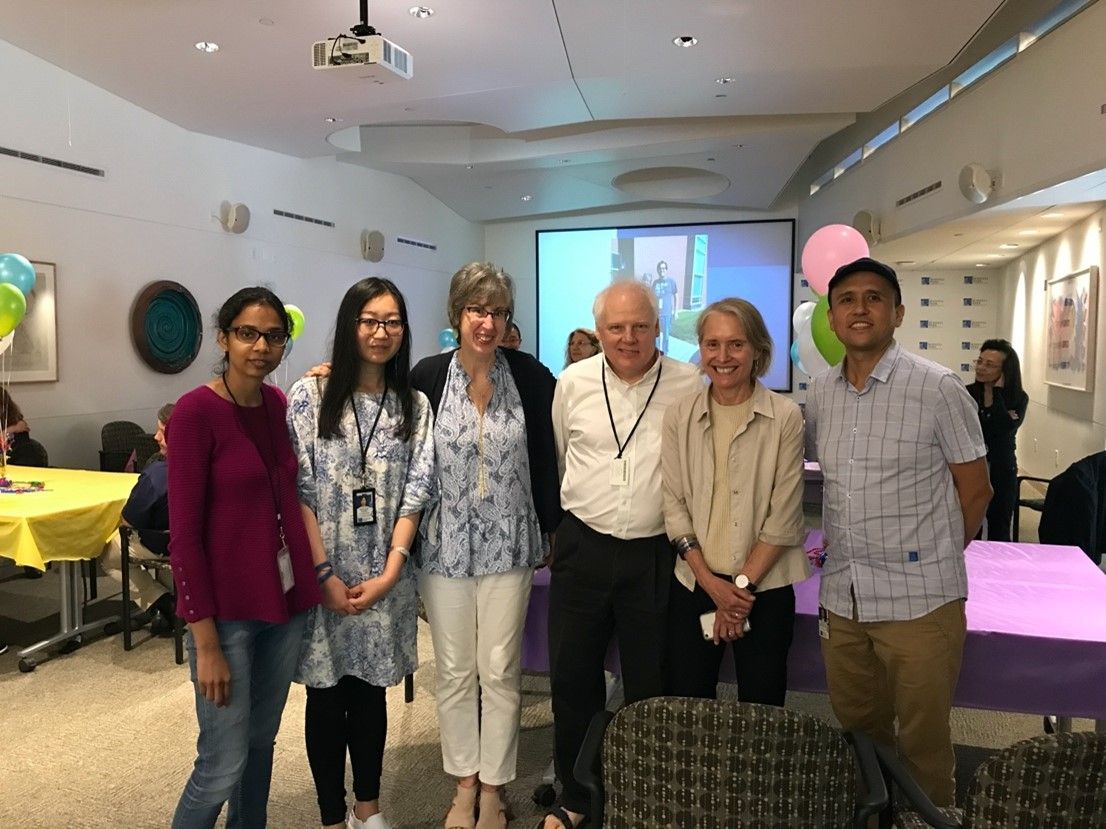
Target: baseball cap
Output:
[(866, 264)]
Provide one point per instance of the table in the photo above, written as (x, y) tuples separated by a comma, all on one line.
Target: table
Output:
[(68, 522), (1036, 638)]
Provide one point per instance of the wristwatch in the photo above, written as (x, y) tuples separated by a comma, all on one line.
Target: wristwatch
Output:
[(742, 581)]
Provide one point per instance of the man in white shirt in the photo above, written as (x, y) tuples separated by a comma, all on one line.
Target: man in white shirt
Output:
[(613, 563)]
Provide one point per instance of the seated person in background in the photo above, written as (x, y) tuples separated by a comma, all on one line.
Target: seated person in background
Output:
[(16, 433), (147, 509), (513, 337)]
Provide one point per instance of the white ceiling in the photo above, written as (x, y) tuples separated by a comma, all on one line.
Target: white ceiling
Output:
[(550, 99)]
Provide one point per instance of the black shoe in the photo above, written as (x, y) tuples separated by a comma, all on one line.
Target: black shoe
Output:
[(160, 624)]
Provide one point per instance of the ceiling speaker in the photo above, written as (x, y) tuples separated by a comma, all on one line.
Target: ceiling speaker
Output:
[(372, 245), (867, 223), (234, 218), (976, 183)]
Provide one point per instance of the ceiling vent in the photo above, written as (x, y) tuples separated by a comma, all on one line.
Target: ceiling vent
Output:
[(299, 217), (53, 162), (415, 243), (917, 194)]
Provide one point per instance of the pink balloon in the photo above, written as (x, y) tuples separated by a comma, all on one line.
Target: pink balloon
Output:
[(828, 249)]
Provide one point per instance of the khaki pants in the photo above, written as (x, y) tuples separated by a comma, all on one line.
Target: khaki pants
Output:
[(145, 587), (878, 672)]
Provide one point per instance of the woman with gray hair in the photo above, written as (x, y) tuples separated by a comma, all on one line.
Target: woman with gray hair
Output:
[(732, 469), (479, 544)]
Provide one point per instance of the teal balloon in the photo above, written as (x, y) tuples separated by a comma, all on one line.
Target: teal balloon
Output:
[(13, 307), (18, 271), (298, 321), (824, 339), (447, 338)]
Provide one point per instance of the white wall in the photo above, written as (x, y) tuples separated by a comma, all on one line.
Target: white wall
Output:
[(1037, 120), (1061, 425), (151, 218), (511, 244)]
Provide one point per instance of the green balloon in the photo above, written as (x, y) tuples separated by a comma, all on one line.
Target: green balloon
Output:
[(13, 307), (298, 321), (826, 341)]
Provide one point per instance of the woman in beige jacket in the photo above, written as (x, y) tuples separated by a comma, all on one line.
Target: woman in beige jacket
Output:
[(732, 460)]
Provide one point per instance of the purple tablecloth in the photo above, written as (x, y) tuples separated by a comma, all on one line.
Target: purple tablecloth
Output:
[(1036, 632)]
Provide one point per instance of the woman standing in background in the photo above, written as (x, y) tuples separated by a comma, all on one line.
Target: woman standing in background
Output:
[(1002, 402)]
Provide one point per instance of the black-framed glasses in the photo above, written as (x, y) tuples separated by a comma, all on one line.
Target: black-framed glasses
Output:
[(249, 335), (482, 313), (372, 325)]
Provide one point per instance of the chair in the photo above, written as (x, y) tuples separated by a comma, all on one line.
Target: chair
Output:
[(155, 562), (1035, 504), (1056, 780), (674, 761), (1075, 507), (145, 448), (118, 439)]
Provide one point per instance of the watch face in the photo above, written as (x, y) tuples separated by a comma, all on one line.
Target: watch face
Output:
[(741, 581)]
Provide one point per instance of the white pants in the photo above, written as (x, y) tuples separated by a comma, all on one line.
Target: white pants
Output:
[(476, 625), (145, 587)]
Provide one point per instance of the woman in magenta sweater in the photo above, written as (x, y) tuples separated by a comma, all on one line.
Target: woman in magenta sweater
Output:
[(241, 562)]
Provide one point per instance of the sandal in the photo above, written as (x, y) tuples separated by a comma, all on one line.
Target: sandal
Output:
[(462, 811), (493, 811), (566, 822)]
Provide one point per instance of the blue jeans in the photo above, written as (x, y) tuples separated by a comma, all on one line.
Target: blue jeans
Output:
[(234, 752)]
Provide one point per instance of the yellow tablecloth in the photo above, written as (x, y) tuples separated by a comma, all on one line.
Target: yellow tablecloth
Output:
[(70, 520)]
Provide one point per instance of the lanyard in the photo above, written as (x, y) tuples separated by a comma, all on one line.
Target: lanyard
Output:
[(363, 444), (274, 488), (606, 397)]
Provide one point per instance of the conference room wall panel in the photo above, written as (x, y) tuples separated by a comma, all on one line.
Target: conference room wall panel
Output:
[(153, 216)]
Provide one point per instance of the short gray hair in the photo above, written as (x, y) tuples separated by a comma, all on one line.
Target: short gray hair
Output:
[(599, 307), (756, 332), (478, 283), (164, 413)]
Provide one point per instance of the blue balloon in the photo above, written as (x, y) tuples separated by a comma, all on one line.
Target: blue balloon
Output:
[(16, 270), (795, 358), (447, 338)]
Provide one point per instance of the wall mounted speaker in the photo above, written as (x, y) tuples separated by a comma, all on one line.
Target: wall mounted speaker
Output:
[(867, 223), (234, 218), (976, 183), (372, 245)]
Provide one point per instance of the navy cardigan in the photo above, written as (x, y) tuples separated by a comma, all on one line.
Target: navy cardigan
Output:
[(535, 387)]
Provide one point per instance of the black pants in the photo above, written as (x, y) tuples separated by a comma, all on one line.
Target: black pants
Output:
[(760, 656), (1000, 512), (351, 715), (601, 585)]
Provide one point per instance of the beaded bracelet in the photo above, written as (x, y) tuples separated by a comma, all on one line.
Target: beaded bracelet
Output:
[(685, 544)]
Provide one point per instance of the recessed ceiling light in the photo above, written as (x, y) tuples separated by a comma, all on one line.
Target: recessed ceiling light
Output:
[(724, 80), (207, 46), (421, 12), (906, 262), (981, 264), (1032, 232), (686, 41), (527, 197), (332, 119), (1052, 215), (1008, 246), (995, 256)]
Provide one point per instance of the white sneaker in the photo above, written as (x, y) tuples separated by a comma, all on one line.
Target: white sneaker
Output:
[(376, 821)]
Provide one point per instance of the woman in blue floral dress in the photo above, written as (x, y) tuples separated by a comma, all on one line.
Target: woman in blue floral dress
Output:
[(366, 456)]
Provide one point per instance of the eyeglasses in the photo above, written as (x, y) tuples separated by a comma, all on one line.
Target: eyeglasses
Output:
[(987, 364), (481, 313), (372, 325), (249, 335)]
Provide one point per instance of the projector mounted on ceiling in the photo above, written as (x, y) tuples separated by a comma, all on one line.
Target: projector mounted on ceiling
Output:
[(365, 49)]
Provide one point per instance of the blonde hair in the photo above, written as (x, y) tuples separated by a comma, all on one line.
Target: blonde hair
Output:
[(599, 307), (756, 332)]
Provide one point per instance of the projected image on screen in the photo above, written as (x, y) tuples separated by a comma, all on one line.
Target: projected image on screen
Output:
[(687, 267)]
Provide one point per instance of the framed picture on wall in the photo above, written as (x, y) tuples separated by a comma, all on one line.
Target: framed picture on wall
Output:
[(1072, 303), (33, 357)]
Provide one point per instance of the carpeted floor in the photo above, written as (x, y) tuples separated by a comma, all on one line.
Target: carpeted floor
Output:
[(104, 738)]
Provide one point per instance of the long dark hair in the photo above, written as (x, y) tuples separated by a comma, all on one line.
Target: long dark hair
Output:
[(345, 360), (244, 298), (1011, 367)]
